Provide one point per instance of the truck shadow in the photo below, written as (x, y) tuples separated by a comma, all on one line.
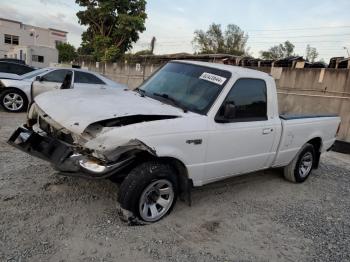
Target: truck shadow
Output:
[(108, 188), (261, 181)]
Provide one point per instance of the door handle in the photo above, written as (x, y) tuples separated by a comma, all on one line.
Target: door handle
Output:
[(267, 131)]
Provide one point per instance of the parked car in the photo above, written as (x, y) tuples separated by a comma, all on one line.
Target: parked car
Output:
[(15, 95), (13, 70), (75, 78), (13, 60), (190, 124)]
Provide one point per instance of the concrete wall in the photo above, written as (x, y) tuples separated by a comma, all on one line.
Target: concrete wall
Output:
[(307, 90), (321, 91), (130, 74)]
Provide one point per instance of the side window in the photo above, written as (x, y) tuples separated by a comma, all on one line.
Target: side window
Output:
[(247, 101), (86, 78), (20, 69), (38, 58), (11, 39), (15, 69), (4, 68), (56, 75), (8, 39)]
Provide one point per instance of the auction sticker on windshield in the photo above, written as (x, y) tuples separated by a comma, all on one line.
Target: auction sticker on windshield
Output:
[(213, 78)]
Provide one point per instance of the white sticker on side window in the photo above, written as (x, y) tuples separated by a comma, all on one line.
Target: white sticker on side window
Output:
[(213, 78)]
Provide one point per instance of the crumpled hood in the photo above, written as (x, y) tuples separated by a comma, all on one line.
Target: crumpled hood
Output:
[(76, 109)]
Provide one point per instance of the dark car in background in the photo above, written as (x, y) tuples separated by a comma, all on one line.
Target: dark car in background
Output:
[(13, 60), (13, 70)]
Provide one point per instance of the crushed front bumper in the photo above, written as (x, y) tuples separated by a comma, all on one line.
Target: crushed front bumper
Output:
[(63, 156)]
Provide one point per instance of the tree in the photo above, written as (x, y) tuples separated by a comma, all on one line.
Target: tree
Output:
[(232, 41), (278, 51), (112, 26), (66, 52), (311, 53)]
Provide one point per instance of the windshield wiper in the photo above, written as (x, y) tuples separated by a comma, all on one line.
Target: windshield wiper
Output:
[(141, 92), (172, 100)]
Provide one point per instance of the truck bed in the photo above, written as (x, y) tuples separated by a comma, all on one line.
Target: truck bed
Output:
[(299, 129)]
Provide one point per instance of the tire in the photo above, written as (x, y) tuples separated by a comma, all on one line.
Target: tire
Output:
[(141, 191), (301, 166), (13, 100)]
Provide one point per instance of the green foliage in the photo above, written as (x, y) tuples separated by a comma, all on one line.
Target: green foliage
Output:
[(279, 51), (112, 26), (311, 53), (213, 41), (66, 52)]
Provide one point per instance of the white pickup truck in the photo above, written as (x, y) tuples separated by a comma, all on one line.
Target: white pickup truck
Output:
[(190, 124)]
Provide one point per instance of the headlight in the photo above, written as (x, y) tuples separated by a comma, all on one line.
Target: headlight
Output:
[(33, 112), (92, 165)]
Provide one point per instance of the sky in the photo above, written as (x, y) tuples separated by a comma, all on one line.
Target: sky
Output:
[(324, 24)]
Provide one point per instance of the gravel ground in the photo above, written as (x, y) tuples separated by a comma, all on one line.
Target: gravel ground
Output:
[(257, 217)]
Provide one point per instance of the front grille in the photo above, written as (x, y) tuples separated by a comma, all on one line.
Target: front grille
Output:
[(53, 132)]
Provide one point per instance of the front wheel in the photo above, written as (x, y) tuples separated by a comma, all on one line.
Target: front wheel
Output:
[(13, 100), (149, 191), (301, 166)]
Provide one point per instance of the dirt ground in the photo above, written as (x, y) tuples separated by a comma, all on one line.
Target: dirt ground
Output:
[(257, 217)]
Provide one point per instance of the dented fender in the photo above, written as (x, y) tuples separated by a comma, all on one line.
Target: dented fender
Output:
[(132, 147)]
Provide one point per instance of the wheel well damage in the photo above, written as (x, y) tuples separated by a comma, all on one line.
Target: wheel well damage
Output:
[(138, 152), (185, 183), (133, 147), (317, 144)]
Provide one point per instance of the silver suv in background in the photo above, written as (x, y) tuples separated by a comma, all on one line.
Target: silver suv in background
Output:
[(16, 94)]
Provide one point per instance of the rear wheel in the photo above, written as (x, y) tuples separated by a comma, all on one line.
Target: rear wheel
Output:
[(13, 100), (301, 166), (149, 191)]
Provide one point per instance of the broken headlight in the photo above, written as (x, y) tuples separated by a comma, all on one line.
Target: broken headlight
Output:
[(92, 165)]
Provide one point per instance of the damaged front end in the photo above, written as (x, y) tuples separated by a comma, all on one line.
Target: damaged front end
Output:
[(44, 138), (67, 159)]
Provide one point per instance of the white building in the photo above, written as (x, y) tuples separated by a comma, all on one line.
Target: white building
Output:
[(35, 45)]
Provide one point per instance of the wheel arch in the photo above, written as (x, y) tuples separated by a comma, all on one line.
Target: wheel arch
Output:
[(317, 144), (184, 182)]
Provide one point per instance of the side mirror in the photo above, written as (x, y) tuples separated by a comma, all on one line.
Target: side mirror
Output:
[(38, 78), (229, 110), (226, 113), (67, 82)]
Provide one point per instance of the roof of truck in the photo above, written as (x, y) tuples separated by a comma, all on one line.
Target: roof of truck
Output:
[(241, 71)]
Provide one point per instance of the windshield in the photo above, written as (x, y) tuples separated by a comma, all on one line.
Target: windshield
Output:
[(188, 86), (34, 73)]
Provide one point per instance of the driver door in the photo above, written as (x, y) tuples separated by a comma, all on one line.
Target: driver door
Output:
[(241, 140), (50, 81)]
